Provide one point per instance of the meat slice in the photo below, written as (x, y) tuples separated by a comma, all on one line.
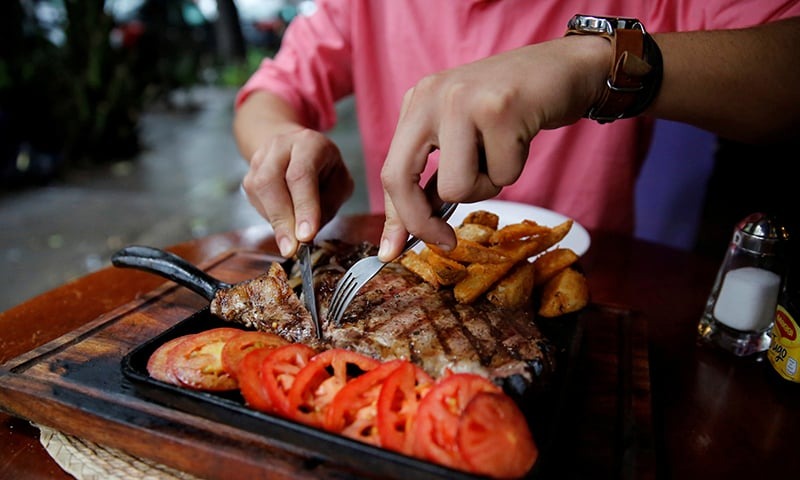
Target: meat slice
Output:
[(266, 303)]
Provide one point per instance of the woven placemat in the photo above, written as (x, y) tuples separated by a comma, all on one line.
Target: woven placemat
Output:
[(86, 460)]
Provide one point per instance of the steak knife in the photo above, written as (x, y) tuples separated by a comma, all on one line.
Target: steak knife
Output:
[(304, 256)]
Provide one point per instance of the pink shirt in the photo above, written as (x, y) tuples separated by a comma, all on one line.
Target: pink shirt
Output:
[(378, 49)]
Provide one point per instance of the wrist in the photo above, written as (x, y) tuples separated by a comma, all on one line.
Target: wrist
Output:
[(592, 54)]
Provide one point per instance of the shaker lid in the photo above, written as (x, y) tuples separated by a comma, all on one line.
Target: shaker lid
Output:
[(761, 233)]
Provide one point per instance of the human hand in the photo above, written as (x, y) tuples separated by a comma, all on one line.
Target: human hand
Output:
[(481, 117), (297, 181)]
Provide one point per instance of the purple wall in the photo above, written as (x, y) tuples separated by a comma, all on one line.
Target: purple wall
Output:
[(671, 187)]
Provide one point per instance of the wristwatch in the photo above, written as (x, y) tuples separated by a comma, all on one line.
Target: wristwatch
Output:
[(636, 66)]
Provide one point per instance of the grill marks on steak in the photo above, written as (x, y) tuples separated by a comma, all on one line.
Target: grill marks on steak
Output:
[(397, 315)]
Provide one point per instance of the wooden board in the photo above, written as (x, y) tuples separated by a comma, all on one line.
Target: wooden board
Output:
[(75, 384)]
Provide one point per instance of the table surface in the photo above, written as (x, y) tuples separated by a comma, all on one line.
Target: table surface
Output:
[(711, 414)]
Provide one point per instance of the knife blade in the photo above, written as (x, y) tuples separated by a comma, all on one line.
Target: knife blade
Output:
[(309, 297)]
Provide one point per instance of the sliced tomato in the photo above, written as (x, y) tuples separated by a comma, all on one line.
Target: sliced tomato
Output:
[(158, 365), (197, 361), (278, 371), (494, 438), (354, 410), (251, 384), (236, 348), (318, 382), (397, 406), (436, 425)]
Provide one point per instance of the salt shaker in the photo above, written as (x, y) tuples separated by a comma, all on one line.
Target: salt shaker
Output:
[(741, 307)]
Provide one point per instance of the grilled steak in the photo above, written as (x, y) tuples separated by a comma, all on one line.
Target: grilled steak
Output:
[(395, 315)]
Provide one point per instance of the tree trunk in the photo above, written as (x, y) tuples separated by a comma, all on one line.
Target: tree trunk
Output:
[(228, 30)]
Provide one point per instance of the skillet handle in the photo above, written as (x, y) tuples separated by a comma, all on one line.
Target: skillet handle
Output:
[(169, 266)]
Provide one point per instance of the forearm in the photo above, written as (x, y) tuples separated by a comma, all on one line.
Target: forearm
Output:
[(261, 117), (740, 84)]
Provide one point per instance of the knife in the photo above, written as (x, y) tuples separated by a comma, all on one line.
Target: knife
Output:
[(304, 256)]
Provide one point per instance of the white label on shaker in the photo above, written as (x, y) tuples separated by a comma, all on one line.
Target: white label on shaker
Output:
[(748, 299)]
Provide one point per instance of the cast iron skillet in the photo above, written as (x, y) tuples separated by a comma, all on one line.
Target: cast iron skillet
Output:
[(533, 398)]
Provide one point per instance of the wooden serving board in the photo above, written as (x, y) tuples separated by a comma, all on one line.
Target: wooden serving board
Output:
[(75, 384)]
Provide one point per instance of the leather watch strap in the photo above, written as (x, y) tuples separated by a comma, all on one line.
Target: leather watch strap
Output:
[(625, 80), (635, 74)]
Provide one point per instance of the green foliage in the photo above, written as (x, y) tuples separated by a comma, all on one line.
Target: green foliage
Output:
[(82, 99), (236, 74), (103, 97)]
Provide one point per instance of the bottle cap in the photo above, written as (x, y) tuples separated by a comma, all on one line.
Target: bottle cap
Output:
[(762, 234)]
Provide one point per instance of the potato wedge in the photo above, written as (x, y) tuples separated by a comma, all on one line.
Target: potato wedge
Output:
[(467, 251), (515, 289), (416, 264), (506, 266), (447, 271), (567, 292), (518, 231), (524, 248), (482, 217), (475, 232), (480, 277), (553, 261)]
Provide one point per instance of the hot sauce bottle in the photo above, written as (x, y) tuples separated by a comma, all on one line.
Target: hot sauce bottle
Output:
[(784, 350)]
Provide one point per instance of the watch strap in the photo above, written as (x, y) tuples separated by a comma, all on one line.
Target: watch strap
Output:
[(634, 77), (625, 77)]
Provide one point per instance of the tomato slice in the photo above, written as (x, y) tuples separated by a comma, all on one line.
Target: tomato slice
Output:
[(158, 365), (251, 384), (354, 410), (197, 361), (318, 382), (278, 371), (436, 425), (236, 348), (397, 406), (494, 438)]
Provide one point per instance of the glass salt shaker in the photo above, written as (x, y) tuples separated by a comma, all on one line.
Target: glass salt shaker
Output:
[(741, 307)]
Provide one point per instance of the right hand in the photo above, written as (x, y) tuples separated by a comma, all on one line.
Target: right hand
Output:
[(482, 116), (298, 181)]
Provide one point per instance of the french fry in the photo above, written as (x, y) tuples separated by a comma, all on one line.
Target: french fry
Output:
[(447, 271), (567, 292), (551, 262), (482, 217), (479, 278), (518, 250), (515, 289), (475, 232), (413, 262), (467, 251), (558, 232), (518, 231)]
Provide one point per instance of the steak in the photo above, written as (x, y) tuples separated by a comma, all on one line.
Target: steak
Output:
[(395, 315)]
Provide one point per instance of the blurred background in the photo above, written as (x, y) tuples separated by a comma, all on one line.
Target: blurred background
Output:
[(77, 75), (115, 128)]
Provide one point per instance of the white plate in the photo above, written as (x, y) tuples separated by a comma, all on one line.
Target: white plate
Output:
[(510, 212)]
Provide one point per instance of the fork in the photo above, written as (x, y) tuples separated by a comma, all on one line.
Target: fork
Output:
[(366, 268)]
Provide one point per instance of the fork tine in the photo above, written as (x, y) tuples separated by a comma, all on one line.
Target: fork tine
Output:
[(362, 272), (336, 299), (344, 293)]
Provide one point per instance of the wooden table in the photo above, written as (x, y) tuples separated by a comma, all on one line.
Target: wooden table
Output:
[(648, 401)]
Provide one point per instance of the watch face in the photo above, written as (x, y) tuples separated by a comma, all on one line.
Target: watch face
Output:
[(602, 25), (588, 23)]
